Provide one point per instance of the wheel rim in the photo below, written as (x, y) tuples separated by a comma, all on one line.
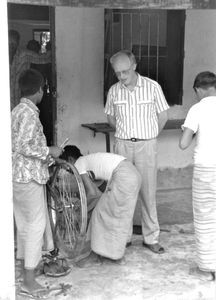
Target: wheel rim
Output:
[(67, 208)]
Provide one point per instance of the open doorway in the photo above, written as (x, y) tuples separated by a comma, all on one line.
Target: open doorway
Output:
[(36, 23)]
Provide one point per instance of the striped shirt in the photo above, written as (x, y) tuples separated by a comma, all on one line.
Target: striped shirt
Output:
[(136, 111)]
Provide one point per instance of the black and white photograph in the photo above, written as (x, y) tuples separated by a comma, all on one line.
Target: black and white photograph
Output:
[(108, 151)]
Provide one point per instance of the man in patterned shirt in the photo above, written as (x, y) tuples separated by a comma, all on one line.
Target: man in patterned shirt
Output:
[(30, 156), (137, 109)]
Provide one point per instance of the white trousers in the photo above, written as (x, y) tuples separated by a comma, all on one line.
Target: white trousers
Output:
[(204, 211), (143, 154), (32, 221), (112, 217)]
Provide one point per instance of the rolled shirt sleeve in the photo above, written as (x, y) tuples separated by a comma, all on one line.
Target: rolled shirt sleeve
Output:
[(160, 100), (109, 108), (191, 120)]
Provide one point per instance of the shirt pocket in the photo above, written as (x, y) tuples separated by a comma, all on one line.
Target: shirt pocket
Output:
[(119, 103), (149, 101), (146, 106), (120, 108)]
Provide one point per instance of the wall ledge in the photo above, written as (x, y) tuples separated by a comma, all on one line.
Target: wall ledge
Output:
[(139, 4)]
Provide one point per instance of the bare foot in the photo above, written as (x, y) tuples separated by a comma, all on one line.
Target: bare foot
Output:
[(30, 285), (33, 292), (203, 275)]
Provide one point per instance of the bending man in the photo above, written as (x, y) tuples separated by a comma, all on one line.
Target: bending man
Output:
[(112, 216)]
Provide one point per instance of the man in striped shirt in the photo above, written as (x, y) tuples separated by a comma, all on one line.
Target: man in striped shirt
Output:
[(137, 109)]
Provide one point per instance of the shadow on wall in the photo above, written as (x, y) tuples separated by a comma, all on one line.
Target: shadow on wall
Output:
[(171, 178), (174, 198)]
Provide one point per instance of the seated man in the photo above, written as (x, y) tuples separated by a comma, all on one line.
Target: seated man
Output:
[(110, 228)]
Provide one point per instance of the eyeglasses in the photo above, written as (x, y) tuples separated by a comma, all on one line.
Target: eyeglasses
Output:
[(124, 72)]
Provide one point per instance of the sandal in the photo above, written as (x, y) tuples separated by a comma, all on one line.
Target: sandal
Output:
[(38, 294), (56, 267), (156, 248)]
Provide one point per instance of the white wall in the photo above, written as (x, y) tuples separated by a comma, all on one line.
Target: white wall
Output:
[(200, 49), (79, 56), (79, 60)]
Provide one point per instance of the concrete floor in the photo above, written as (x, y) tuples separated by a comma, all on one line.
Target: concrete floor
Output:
[(143, 274)]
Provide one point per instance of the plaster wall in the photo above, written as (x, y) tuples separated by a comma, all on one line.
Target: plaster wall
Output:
[(79, 58), (200, 45), (79, 63)]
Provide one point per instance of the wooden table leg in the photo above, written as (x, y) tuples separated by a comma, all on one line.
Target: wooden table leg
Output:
[(107, 142)]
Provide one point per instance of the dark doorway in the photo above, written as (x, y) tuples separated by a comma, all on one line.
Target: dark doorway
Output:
[(156, 37), (37, 23)]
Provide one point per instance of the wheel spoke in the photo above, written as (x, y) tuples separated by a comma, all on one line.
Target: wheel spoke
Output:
[(67, 206)]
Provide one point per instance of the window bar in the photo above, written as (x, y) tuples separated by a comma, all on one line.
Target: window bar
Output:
[(140, 41), (158, 35), (122, 31), (110, 32), (149, 37), (112, 22), (131, 32)]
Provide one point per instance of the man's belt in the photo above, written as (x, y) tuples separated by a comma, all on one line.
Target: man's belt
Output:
[(135, 140)]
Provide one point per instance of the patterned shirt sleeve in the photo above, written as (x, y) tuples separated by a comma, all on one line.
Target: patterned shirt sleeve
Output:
[(191, 120), (32, 138)]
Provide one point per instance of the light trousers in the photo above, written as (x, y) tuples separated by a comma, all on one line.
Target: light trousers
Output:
[(204, 211), (112, 217), (32, 221), (143, 154)]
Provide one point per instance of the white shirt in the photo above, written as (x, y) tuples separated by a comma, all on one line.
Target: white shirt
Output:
[(101, 164), (136, 111), (201, 118)]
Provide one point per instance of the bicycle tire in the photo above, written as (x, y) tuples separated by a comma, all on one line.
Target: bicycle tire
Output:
[(67, 207)]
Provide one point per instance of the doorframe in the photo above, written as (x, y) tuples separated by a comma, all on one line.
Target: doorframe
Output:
[(54, 75)]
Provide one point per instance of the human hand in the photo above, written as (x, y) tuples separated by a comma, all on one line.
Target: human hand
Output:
[(55, 151)]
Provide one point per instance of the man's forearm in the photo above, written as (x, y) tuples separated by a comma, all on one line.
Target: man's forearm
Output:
[(112, 121), (161, 125), (162, 119), (91, 189)]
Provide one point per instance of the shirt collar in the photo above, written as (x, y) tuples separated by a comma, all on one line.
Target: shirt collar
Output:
[(138, 83), (30, 103)]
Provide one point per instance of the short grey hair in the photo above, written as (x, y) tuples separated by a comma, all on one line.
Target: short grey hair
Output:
[(127, 53)]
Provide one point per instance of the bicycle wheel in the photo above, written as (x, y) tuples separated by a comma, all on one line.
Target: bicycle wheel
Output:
[(67, 207)]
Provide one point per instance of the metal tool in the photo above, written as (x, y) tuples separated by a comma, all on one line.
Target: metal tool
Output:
[(64, 143)]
